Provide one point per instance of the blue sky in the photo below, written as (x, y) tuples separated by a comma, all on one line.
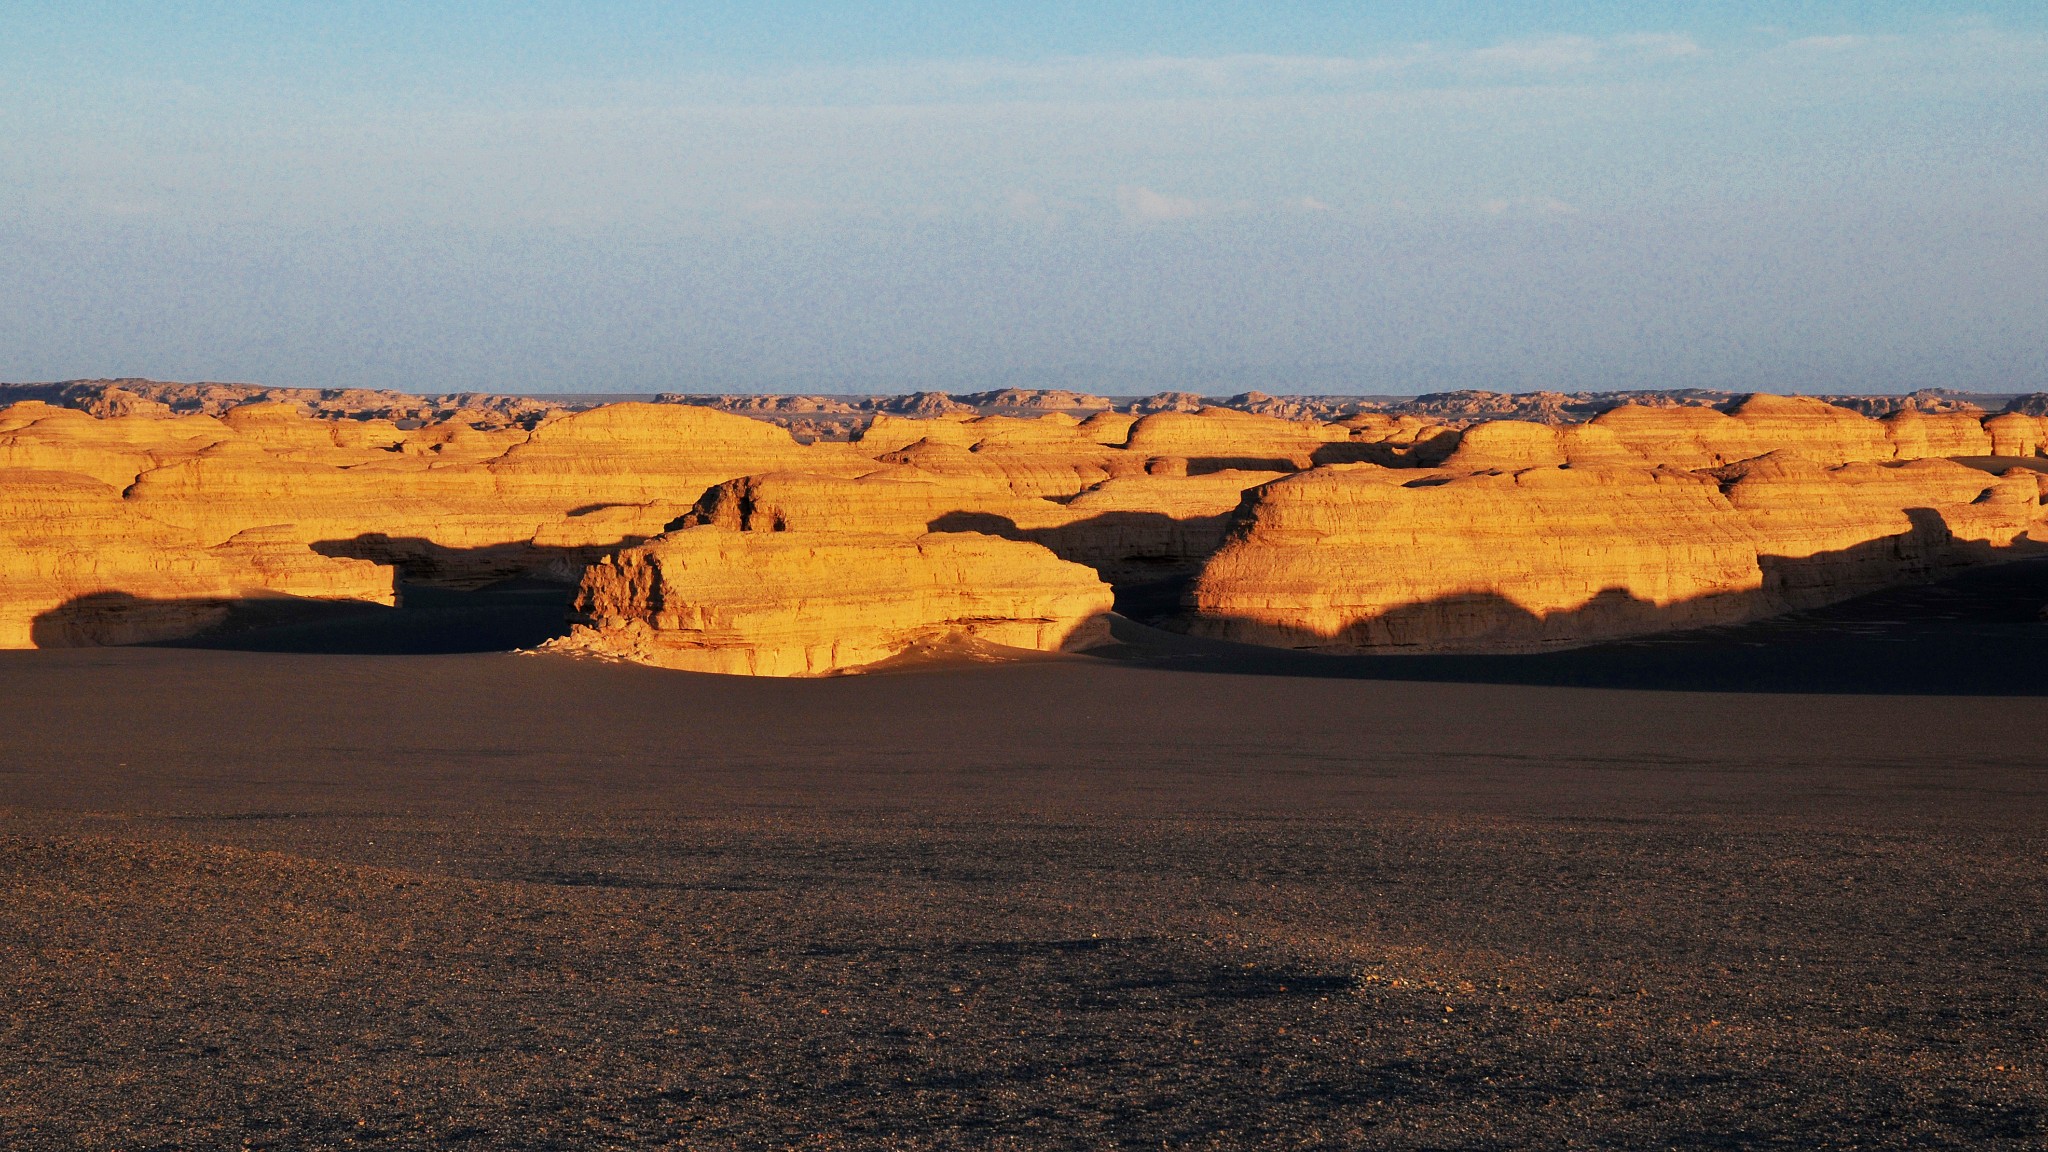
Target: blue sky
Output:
[(849, 197)]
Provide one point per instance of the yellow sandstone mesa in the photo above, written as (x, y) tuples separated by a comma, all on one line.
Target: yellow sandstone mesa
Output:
[(709, 599), (1354, 558), (1053, 455), (1215, 438), (1696, 438), (1917, 435), (1367, 559), (79, 566), (1825, 534), (2016, 434), (1815, 429), (1131, 527), (462, 505), (466, 506), (114, 451), (128, 522)]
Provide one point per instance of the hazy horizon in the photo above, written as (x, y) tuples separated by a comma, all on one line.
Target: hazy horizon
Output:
[(631, 197), (617, 396)]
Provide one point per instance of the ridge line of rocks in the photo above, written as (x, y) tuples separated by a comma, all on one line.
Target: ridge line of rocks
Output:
[(134, 396)]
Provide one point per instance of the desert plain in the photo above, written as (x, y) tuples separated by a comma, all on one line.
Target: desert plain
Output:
[(1650, 777)]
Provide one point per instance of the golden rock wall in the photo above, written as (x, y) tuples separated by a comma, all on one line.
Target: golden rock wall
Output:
[(711, 599), (1373, 559), (140, 524)]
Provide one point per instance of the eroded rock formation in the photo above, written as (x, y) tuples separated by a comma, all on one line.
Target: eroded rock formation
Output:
[(713, 599), (136, 511), (1365, 558), (81, 566), (1130, 529), (1215, 439), (339, 503)]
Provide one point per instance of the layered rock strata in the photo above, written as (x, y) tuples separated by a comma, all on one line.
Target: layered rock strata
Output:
[(196, 495), (799, 574), (1128, 529), (1215, 439), (464, 504), (711, 599), (1364, 558), (165, 507), (80, 566), (1694, 438)]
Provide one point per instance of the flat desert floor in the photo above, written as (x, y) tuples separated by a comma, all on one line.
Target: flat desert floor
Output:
[(1182, 896)]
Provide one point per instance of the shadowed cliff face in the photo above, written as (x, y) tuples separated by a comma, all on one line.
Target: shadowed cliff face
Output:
[(103, 618), (1127, 548), (426, 620), (1976, 632), (424, 562)]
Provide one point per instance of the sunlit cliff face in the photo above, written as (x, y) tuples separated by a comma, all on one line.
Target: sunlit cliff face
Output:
[(709, 540)]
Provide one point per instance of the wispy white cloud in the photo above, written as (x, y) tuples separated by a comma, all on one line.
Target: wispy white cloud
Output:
[(1550, 54), (1540, 126), (1140, 203), (1971, 57), (1073, 79), (1847, 43), (1527, 206), (1659, 45)]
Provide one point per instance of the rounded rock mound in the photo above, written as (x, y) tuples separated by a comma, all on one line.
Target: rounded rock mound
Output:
[(708, 599)]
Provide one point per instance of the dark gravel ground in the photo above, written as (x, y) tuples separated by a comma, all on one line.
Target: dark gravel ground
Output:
[(302, 901)]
